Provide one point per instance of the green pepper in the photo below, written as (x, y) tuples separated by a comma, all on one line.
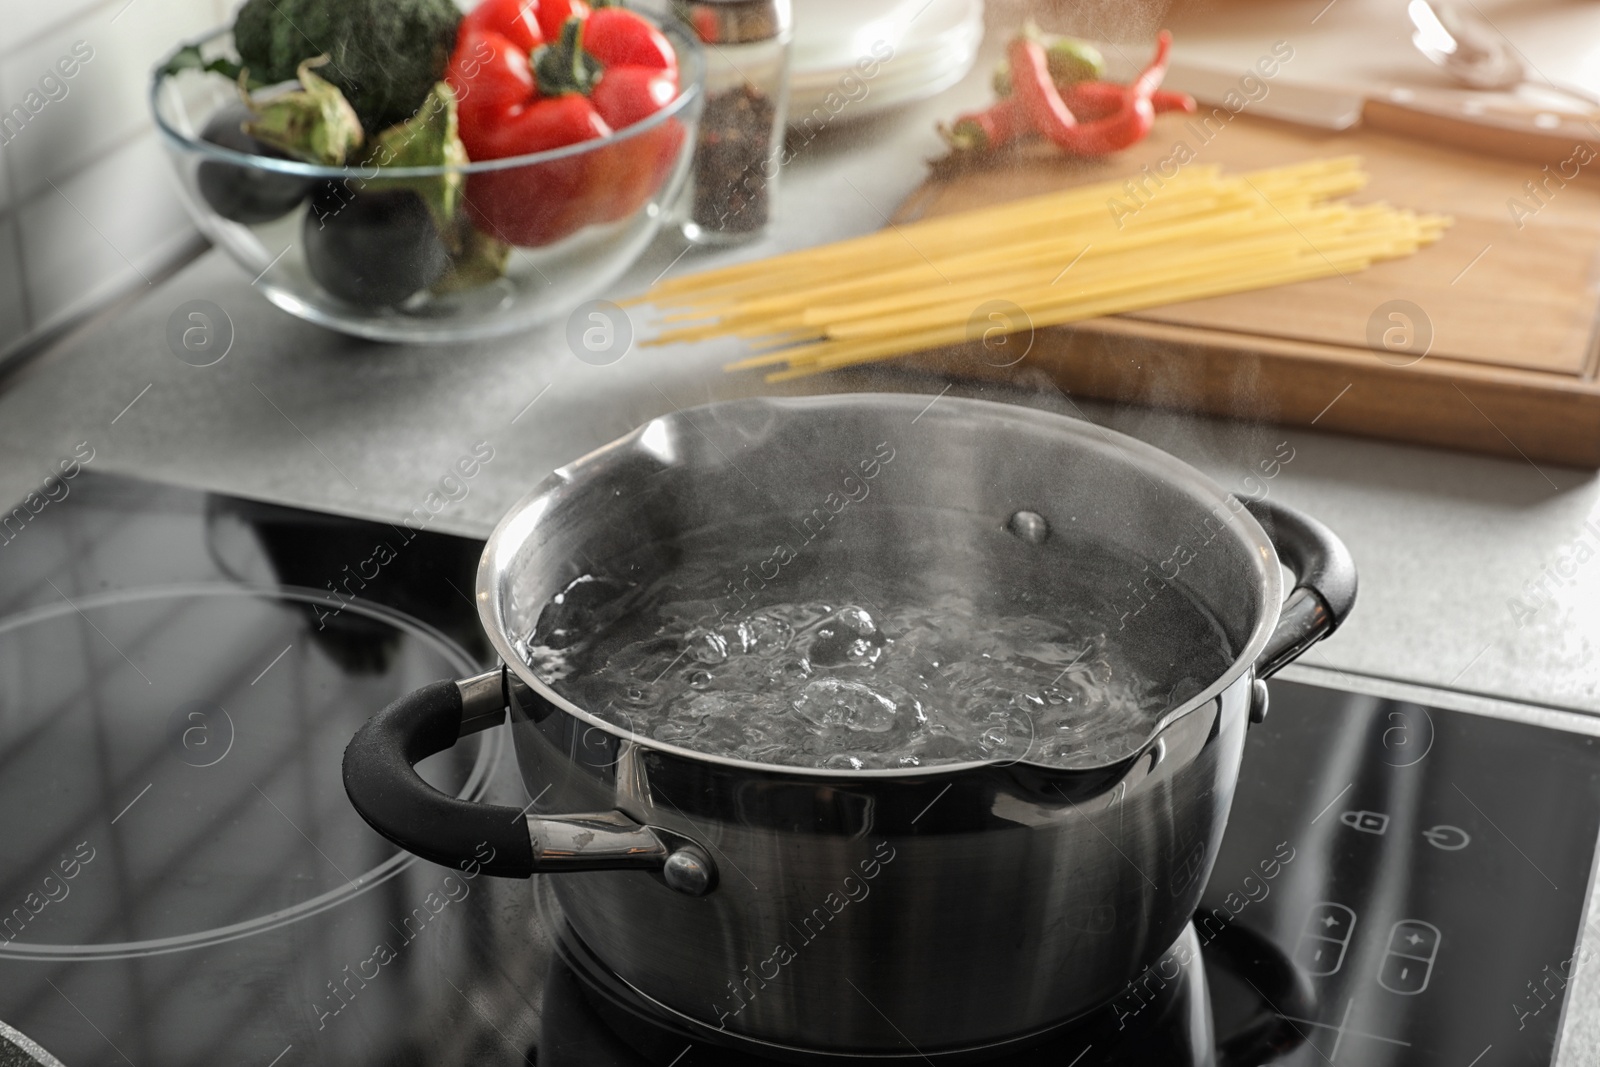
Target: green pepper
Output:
[(1069, 59)]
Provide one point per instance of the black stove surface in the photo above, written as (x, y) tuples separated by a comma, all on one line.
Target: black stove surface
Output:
[(182, 881)]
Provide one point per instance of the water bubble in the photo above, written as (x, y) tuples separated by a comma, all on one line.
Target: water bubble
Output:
[(848, 636), (585, 607), (794, 670), (820, 682), (764, 634), (706, 646), (835, 702)]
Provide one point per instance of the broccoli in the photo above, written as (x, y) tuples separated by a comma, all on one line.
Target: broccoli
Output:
[(384, 55)]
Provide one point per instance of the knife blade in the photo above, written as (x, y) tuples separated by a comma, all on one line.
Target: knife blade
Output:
[(1457, 119), (1300, 105)]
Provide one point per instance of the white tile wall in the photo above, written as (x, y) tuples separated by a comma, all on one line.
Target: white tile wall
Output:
[(93, 147), (106, 101), (5, 176), (23, 20), (99, 231), (13, 298)]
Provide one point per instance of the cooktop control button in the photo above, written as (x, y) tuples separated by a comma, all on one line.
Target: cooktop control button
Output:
[(1419, 940), (1323, 939), (1407, 966), (1403, 975), (1368, 822), (1447, 838), (1331, 921), (1317, 957)]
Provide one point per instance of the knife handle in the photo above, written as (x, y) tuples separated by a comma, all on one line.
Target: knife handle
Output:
[(1507, 133)]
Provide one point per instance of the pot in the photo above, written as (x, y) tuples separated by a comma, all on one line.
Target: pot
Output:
[(940, 908)]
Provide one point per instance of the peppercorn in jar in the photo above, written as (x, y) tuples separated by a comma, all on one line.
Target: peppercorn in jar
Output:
[(741, 130)]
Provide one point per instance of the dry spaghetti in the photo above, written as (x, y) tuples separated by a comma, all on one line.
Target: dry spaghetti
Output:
[(1056, 259)]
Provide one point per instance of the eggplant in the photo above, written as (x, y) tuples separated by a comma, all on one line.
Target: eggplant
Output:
[(249, 195), (372, 247)]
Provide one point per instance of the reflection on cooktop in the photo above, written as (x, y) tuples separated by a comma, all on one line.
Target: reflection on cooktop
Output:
[(183, 882), (19, 1050), (177, 733)]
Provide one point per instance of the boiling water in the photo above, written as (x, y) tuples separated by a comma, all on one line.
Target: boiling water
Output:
[(977, 646)]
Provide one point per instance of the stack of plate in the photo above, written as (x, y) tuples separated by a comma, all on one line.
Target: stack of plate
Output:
[(929, 44)]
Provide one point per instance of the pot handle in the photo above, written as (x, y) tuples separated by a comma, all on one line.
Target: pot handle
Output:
[(383, 785), (1325, 583)]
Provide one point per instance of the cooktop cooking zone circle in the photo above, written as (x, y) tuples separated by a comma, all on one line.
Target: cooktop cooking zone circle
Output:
[(19, 1050), (182, 746)]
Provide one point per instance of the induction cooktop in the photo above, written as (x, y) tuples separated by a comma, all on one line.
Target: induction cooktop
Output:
[(1405, 878)]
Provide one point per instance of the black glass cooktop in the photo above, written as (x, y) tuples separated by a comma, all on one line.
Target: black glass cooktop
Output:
[(183, 882)]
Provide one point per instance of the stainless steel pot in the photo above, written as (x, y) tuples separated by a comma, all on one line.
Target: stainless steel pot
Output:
[(879, 911)]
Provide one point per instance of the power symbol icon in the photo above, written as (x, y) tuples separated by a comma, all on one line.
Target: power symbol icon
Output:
[(1447, 838)]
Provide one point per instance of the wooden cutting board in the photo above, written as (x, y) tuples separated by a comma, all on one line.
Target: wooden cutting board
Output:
[(1511, 298)]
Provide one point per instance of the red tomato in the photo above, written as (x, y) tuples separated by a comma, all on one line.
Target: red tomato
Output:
[(512, 19), (553, 14), (489, 74), (620, 38)]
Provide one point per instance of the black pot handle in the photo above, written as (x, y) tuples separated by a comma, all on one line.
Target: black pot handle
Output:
[(383, 785), (1325, 583)]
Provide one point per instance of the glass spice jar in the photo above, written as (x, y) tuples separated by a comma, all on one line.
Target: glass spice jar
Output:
[(735, 168)]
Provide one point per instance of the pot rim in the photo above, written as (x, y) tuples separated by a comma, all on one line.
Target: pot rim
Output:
[(516, 524)]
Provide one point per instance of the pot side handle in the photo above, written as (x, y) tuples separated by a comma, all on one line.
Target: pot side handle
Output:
[(385, 789), (1325, 583)]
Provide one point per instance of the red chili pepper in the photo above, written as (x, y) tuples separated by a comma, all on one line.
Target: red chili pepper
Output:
[(1050, 115), (989, 130), (979, 133), (1035, 91), (1095, 100)]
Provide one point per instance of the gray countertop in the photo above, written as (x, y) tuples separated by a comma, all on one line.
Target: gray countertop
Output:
[(304, 416)]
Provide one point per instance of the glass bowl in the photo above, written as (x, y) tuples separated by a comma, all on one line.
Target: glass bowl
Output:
[(352, 248)]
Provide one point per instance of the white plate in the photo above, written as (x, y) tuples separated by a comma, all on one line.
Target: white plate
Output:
[(919, 67), (880, 97), (906, 26), (937, 43), (826, 30)]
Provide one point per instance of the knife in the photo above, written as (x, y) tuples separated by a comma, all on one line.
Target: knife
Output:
[(1460, 120)]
